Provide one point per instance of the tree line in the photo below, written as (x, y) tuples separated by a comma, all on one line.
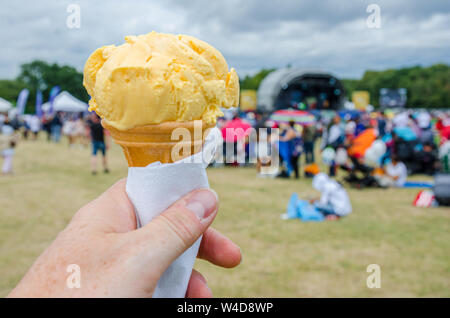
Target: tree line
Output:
[(40, 75), (427, 87)]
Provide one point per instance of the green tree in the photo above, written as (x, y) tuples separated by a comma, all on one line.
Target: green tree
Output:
[(42, 75), (10, 89), (252, 82), (427, 87)]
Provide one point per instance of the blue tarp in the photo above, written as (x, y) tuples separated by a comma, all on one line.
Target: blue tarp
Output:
[(303, 210), (417, 184)]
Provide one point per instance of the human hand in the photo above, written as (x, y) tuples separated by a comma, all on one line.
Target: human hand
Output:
[(117, 260)]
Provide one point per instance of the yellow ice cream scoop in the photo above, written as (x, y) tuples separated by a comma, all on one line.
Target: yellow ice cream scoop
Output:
[(157, 78)]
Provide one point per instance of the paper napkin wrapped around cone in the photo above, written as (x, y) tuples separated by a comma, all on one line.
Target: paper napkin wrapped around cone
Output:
[(154, 188)]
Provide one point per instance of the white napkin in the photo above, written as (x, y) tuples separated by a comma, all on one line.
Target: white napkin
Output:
[(154, 188)]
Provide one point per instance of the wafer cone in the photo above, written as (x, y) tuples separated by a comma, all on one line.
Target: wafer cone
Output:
[(151, 143)]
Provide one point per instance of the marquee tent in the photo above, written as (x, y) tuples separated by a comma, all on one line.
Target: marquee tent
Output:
[(4, 105), (65, 102)]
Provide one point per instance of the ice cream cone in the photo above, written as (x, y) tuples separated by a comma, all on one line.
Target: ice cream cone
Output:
[(166, 142)]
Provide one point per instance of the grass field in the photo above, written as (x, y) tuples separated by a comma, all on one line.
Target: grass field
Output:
[(280, 258)]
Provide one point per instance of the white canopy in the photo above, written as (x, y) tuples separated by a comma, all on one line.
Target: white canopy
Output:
[(65, 102), (4, 105)]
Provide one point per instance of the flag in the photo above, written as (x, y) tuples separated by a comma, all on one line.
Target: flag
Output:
[(22, 101), (53, 93), (39, 104)]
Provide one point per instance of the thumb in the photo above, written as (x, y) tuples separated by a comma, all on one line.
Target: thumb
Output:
[(178, 227)]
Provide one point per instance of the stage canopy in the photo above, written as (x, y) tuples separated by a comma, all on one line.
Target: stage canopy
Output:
[(65, 102), (301, 89)]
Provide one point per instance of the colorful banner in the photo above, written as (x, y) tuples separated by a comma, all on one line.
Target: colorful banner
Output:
[(361, 99), (300, 117), (53, 93), (22, 101), (248, 100), (39, 104)]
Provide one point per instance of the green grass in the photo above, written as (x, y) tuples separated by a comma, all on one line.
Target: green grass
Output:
[(280, 258)]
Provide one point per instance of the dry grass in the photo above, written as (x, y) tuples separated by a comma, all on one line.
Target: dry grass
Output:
[(281, 258)]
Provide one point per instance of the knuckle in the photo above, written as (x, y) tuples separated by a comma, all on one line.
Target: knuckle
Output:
[(181, 225)]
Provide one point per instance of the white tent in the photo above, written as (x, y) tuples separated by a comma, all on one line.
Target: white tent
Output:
[(4, 105), (65, 102)]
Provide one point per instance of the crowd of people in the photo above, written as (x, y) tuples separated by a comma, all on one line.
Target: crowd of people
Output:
[(382, 149), (372, 148), (406, 142), (79, 130)]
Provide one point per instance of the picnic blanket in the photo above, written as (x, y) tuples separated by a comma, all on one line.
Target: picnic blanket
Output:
[(303, 210), (418, 184)]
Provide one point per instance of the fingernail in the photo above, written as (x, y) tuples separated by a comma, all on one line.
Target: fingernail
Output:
[(202, 203)]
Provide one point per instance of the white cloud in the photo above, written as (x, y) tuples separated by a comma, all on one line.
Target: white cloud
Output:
[(330, 35)]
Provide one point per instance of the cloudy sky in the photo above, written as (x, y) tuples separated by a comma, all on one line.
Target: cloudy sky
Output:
[(251, 34)]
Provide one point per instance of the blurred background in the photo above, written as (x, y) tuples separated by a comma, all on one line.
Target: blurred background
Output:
[(410, 45), (359, 90)]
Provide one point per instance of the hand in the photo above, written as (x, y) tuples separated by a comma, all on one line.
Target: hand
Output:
[(117, 260)]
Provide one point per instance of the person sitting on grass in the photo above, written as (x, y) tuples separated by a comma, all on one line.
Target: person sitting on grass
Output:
[(396, 172), (334, 201), (428, 158), (360, 175)]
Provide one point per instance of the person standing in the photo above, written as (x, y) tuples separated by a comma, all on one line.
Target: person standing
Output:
[(8, 155), (336, 137), (80, 131), (3, 118), (349, 128), (56, 127), (25, 123), (46, 126), (360, 127), (35, 126), (382, 123), (98, 142), (15, 123), (69, 130), (290, 141), (426, 134), (309, 136)]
